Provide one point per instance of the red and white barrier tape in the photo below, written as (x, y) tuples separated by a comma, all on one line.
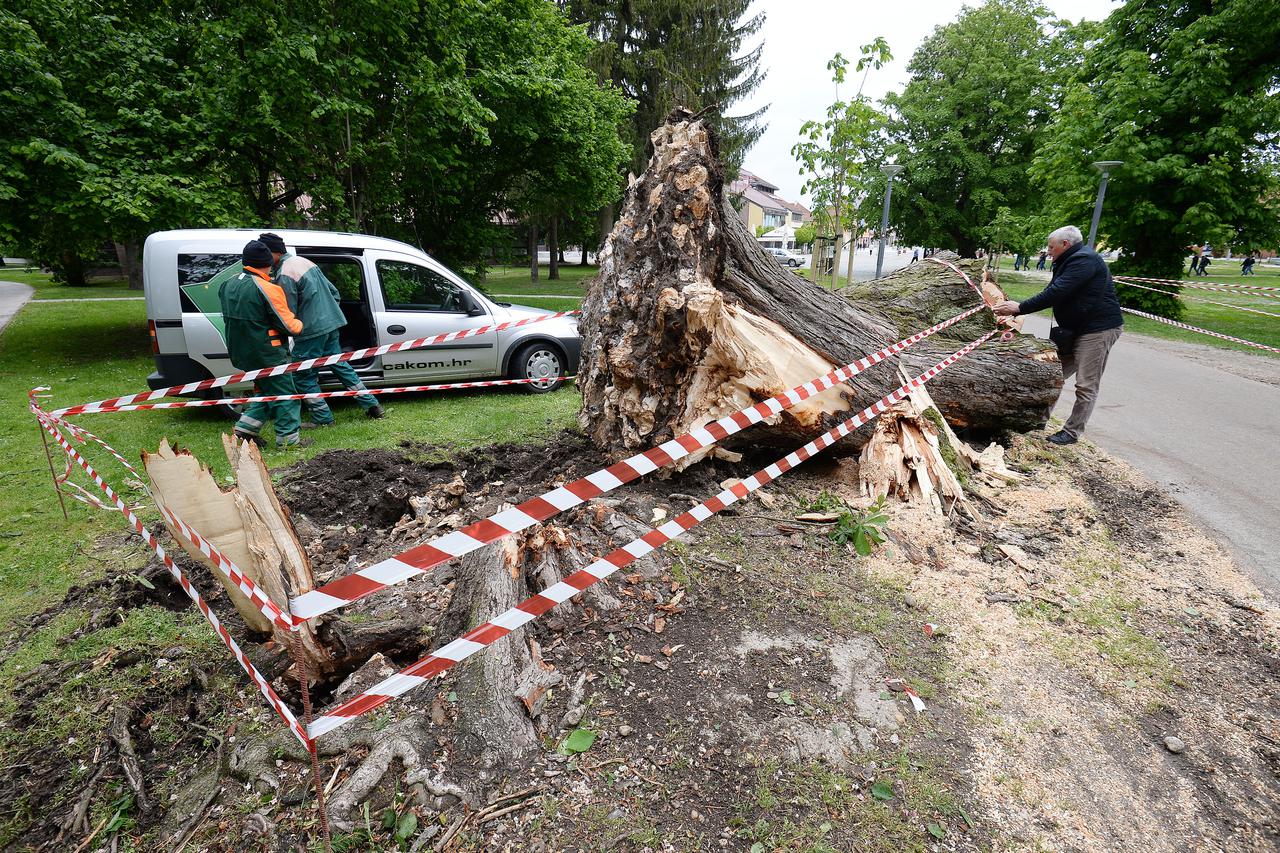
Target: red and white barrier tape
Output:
[(224, 564), (1201, 284), (1237, 289), (1169, 322), (536, 605), (1184, 296), (306, 364), (323, 395), (268, 693), (424, 557)]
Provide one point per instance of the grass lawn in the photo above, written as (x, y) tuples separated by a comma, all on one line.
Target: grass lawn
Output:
[(1228, 321), (515, 280), (46, 288), (88, 351)]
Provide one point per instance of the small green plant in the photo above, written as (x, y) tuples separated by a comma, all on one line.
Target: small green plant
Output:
[(864, 529), (826, 502)]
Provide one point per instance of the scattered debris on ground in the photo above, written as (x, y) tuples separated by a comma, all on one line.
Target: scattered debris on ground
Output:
[(1094, 674)]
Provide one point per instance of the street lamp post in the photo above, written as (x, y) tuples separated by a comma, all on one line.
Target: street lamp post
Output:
[(1105, 167), (889, 170)]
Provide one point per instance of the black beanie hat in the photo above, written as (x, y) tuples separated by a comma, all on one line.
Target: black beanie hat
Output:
[(256, 254), (274, 242)]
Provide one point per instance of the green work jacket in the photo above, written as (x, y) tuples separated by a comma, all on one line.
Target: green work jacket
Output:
[(311, 296), (258, 320)]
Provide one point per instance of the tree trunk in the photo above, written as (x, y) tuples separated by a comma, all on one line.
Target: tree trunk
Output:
[(248, 525), (553, 250), (689, 320), (73, 269), (533, 251), (128, 253)]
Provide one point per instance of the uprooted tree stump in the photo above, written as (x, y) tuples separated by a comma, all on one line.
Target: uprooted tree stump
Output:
[(690, 320)]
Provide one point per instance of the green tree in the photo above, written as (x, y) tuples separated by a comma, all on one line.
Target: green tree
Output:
[(1186, 96), (667, 53), (417, 119), (109, 150), (967, 122), (804, 235), (838, 154)]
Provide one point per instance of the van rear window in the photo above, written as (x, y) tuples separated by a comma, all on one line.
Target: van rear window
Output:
[(199, 277)]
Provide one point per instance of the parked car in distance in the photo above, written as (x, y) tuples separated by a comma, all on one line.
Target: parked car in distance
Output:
[(787, 258), (390, 291)]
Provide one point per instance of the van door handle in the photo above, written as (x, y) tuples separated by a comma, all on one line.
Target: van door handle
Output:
[(395, 330)]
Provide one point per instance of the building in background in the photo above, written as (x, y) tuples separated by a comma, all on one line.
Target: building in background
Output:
[(772, 219)]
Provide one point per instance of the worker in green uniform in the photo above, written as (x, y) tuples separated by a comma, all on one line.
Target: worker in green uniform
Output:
[(258, 322), (315, 300)]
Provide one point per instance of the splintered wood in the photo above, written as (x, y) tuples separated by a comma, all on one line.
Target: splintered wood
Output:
[(690, 320), (914, 455), (247, 524)]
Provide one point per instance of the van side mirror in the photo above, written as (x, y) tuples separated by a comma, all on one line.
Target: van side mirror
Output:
[(473, 306)]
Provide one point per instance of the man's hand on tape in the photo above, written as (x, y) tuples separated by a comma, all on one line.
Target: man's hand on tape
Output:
[(1007, 308)]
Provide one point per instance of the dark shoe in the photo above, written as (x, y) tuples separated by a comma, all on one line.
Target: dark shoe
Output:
[(377, 412), (293, 445), (248, 436), (1061, 437), (314, 425)]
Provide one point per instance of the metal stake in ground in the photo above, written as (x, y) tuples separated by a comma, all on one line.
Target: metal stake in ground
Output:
[(52, 473), (304, 681)]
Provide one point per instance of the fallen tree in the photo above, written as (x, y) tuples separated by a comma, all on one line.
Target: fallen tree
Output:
[(689, 320)]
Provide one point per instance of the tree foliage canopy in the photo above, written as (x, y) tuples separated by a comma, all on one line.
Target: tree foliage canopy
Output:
[(691, 53), (966, 124), (418, 119), (1186, 95)]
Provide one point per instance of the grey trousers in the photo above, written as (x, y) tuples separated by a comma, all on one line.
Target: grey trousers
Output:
[(1087, 362)]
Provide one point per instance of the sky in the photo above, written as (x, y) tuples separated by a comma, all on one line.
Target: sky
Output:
[(800, 36)]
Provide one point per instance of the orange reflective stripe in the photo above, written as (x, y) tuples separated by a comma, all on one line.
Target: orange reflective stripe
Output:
[(277, 342), (275, 295)]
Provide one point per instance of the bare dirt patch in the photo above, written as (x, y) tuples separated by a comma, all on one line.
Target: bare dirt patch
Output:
[(742, 687)]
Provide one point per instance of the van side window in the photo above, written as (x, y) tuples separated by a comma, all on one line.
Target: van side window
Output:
[(411, 287), (199, 276), (346, 275)]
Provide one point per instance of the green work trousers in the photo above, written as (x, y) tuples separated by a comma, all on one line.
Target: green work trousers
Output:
[(308, 381), (285, 413)]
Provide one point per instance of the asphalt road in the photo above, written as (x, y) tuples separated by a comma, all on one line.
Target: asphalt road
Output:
[(12, 297), (1202, 422)]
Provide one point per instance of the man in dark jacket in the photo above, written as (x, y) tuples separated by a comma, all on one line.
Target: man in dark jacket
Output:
[(259, 323), (1086, 309), (316, 302)]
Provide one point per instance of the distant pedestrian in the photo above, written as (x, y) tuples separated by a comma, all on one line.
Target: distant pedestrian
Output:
[(915, 256), (1084, 303), (316, 301), (1040, 263), (1246, 266), (1195, 260), (1204, 263)]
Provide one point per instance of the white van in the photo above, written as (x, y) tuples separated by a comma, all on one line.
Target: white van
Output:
[(390, 292)]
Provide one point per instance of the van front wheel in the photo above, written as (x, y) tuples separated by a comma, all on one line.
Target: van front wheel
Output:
[(539, 361)]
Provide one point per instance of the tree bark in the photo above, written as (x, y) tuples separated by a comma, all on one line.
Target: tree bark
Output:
[(689, 320), (533, 251), (73, 269), (129, 255), (553, 250)]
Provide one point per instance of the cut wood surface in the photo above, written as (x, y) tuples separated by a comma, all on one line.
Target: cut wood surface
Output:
[(689, 320)]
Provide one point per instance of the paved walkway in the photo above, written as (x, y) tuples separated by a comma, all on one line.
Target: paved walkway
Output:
[(12, 297), (1201, 422)]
